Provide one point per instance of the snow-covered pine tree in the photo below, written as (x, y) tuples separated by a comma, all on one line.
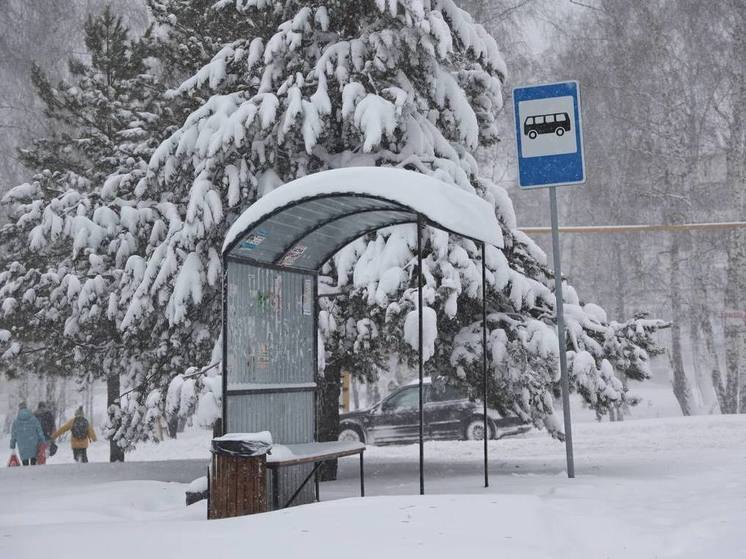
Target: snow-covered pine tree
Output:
[(414, 84), (71, 233), (189, 33), (184, 36)]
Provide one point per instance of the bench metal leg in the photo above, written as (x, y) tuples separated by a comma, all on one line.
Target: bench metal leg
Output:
[(362, 476), (302, 485), (316, 481)]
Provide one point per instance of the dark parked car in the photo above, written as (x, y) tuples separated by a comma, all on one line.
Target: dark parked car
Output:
[(449, 415)]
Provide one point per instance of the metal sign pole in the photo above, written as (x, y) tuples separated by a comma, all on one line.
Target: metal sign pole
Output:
[(484, 369), (565, 381), (549, 146)]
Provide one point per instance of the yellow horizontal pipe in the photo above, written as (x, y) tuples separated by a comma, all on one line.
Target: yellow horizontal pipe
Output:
[(637, 228)]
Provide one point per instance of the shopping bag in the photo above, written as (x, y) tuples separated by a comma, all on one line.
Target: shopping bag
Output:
[(13, 461), (41, 454)]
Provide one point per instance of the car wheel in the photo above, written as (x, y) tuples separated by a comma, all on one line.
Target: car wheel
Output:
[(560, 131), (475, 430), (532, 134), (350, 434)]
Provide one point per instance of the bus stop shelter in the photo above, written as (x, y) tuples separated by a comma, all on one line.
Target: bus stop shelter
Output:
[(272, 256)]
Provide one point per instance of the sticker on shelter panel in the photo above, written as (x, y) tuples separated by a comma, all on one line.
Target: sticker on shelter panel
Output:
[(307, 297), (262, 298), (276, 300), (250, 358), (293, 254), (262, 360), (547, 126), (251, 286)]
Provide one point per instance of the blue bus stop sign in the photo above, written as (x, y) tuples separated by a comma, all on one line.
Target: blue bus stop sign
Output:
[(549, 135)]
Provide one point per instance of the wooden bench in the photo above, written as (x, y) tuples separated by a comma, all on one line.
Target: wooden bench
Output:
[(317, 453)]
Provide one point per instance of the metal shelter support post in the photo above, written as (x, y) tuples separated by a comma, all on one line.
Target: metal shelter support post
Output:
[(316, 310), (565, 381), (224, 349), (484, 367), (420, 361)]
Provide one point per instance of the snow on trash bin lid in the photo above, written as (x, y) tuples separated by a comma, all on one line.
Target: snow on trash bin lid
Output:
[(199, 485), (243, 444)]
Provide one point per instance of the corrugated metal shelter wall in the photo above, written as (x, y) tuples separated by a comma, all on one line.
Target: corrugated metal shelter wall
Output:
[(271, 336), (271, 360), (284, 413), (286, 416)]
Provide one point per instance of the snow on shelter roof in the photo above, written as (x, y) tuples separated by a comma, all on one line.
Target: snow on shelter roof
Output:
[(303, 223)]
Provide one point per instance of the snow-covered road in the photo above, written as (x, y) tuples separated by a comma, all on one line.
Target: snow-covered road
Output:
[(648, 488)]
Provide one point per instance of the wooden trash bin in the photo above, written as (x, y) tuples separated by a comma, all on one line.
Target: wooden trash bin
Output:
[(238, 477)]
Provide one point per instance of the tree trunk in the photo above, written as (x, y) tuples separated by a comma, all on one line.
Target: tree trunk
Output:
[(703, 337), (355, 394), (50, 390), (328, 413), (61, 403), (88, 396), (614, 414), (702, 385), (619, 314), (116, 453), (735, 286), (173, 425), (719, 386), (680, 383)]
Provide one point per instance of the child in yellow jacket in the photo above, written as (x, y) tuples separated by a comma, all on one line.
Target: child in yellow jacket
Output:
[(82, 433)]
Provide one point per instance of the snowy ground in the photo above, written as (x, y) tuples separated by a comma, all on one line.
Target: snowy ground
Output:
[(664, 488)]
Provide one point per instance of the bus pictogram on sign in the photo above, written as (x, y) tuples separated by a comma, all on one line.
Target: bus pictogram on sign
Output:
[(556, 123)]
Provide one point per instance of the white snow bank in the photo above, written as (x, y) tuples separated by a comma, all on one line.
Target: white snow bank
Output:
[(455, 209), (433, 527), (667, 488)]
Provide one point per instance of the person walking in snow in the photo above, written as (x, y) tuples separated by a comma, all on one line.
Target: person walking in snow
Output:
[(82, 433), (46, 418), (27, 434)]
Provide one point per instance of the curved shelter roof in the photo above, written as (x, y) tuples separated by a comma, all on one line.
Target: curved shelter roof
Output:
[(303, 223)]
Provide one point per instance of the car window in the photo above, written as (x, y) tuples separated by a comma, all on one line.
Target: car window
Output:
[(530, 120), (539, 120), (561, 117), (550, 118), (446, 393), (408, 398)]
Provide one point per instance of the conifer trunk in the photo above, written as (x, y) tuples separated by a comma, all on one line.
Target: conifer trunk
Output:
[(328, 413), (116, 453)]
